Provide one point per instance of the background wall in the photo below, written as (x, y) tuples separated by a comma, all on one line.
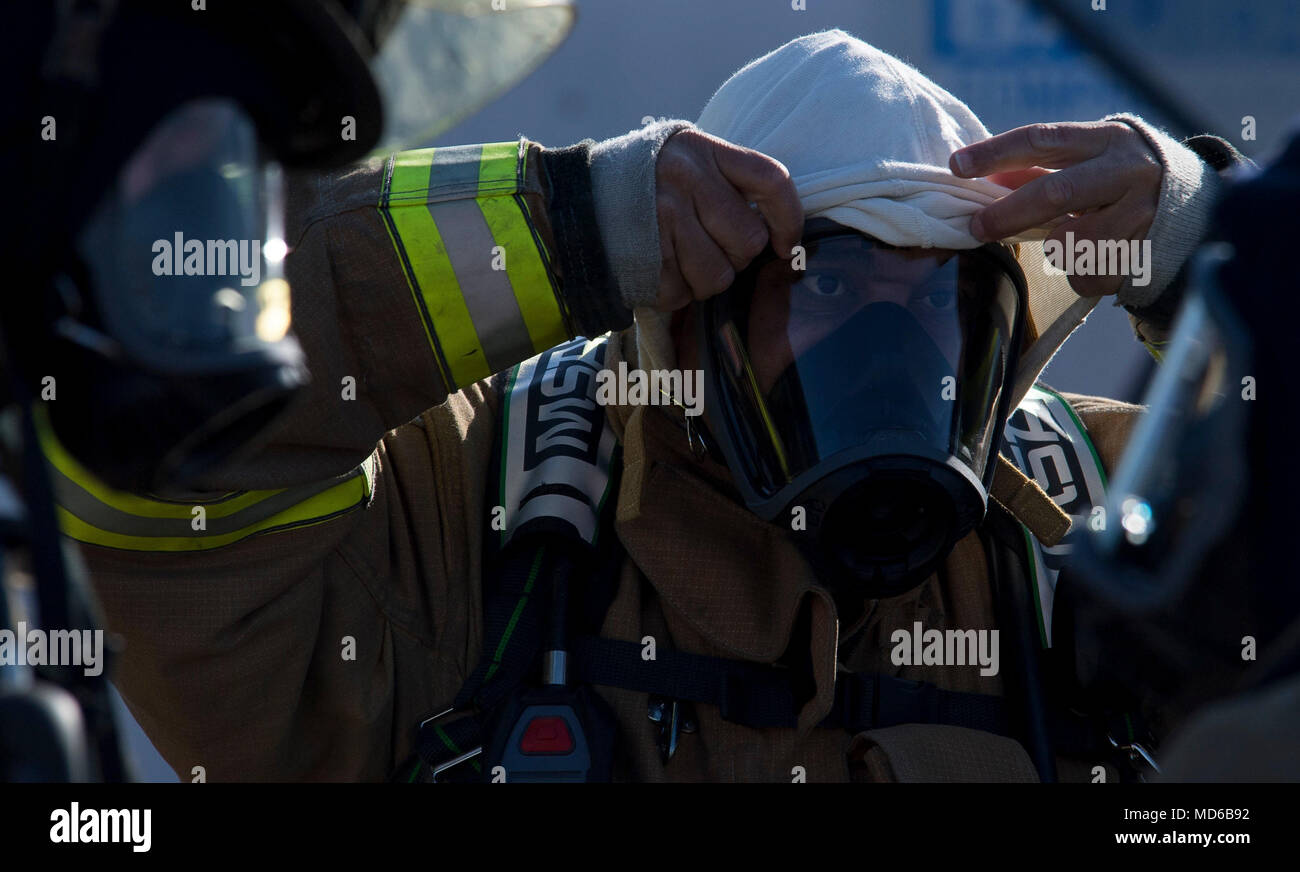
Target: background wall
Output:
[(627, 59)]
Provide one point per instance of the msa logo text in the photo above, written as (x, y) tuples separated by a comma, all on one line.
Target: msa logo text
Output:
[(566, 418)]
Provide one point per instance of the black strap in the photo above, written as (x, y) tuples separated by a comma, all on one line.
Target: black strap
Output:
[(760, 696), (440, 743), (755, 695), (865, 701), (513, 622), (586, 279)]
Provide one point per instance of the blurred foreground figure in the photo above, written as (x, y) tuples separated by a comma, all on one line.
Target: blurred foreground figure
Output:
[(1189, 596), (145, 337)]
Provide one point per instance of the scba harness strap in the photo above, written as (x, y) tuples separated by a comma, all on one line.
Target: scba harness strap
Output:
[(1047, 442), (554, 471)]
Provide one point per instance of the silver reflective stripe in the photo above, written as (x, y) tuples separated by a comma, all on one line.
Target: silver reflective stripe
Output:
[(488, 294), (89, 508), (468, 240), (454, 172)]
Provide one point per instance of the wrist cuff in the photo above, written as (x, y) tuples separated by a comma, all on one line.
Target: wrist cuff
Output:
[(1188, 193), (623, 187)]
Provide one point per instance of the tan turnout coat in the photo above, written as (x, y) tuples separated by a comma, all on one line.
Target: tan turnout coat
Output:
[(234, 655)]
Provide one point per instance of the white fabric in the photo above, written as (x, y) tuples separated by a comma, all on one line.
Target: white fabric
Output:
[(867, 139)]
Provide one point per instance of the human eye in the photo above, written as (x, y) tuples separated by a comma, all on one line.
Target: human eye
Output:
[(822, 286), (937, 299)]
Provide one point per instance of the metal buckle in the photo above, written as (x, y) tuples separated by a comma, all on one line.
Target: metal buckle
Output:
[(1138, 756), (674, 717), (454, 762), (695, 441)]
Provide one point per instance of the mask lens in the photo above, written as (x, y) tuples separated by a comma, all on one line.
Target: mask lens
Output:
[(868, 351), (175, 350), (186, 250)]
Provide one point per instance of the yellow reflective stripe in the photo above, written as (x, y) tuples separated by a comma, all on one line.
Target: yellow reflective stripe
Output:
[(315, 510), (498, 168), (133, 504), (415, 295), (509, 223), (420, 244), (80, 490), (425, 186)]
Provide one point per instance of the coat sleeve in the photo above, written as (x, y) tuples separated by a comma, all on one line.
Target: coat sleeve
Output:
[(296, 613), (1153, 324), (417, 275), (412, 277)]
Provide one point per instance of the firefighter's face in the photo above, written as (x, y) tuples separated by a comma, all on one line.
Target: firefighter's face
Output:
[(792, 310)]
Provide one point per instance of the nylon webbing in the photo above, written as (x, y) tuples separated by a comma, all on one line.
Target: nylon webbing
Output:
[(513, 628), (760, 696), (512, 636), (439, 743), (755, 695)]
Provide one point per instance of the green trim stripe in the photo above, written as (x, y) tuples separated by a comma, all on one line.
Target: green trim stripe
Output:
[(505, 446), (1083, 431), (1094, 485), (514, 617), (1033, 584), (615, 456)]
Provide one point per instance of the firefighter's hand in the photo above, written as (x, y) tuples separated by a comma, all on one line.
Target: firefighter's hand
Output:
[(707, 230), (1107, 186)]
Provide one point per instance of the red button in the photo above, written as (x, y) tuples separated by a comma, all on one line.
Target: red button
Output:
[(546, 735)]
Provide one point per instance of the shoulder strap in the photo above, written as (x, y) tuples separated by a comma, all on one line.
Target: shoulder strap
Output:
[(550, 481), (1047, 442)]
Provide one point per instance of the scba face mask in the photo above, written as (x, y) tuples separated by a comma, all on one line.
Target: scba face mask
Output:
[(183, 315), (150, 311), (859, 399)]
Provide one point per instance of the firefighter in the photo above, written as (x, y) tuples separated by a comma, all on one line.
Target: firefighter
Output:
[(430, 570)]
